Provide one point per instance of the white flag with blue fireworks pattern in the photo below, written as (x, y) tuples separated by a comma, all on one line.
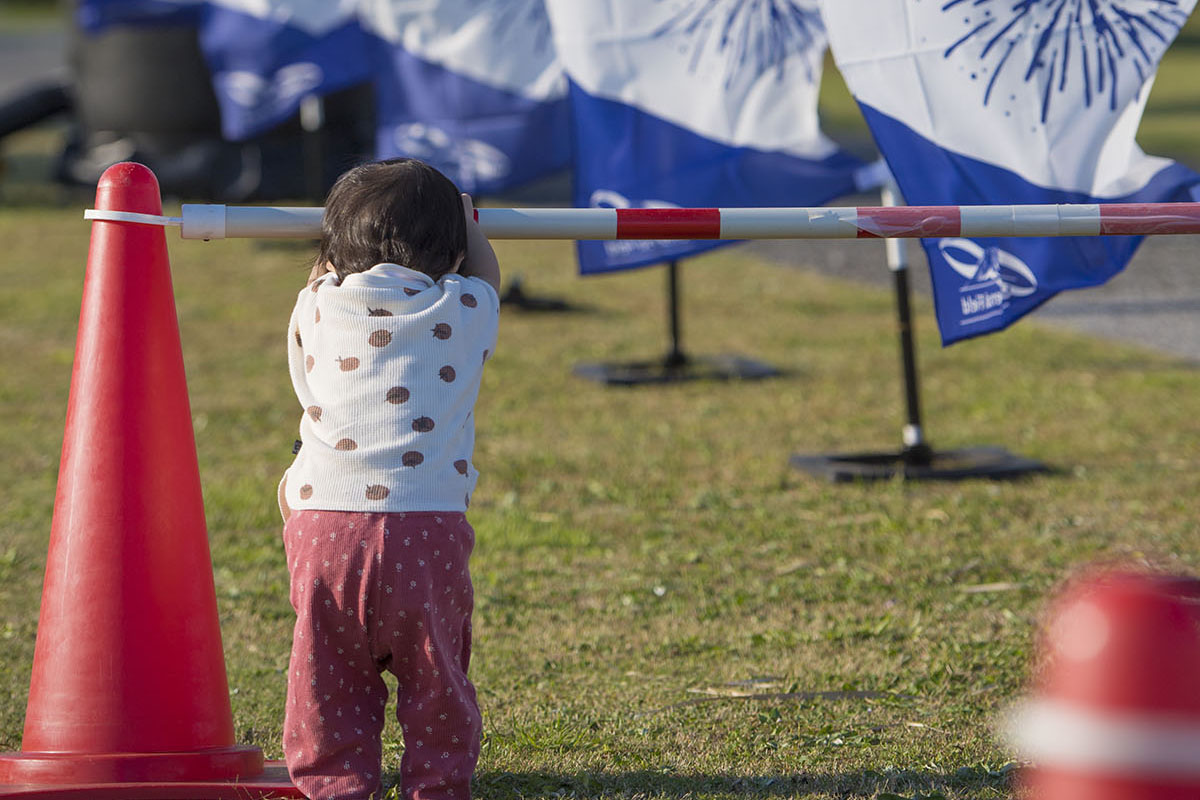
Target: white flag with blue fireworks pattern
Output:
[(1011, 101), (266, 56), (473, 87), (693, 103)]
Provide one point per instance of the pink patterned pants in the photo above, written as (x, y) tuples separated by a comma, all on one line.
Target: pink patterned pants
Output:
[(376, 592)]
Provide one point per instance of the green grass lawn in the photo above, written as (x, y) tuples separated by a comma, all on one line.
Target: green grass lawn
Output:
[(23, 14), (664, 608), (646, 557)]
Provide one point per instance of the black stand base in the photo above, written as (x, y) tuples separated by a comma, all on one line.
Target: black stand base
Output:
[(516, 297), (919, 464), (675, 368)]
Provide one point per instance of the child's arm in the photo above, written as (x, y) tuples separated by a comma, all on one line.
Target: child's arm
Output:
[(481, 259)]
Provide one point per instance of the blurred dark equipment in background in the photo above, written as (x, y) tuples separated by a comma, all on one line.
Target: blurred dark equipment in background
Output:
[(145, 94)]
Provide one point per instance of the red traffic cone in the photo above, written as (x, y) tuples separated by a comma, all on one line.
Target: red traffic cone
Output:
[(128, 693), (1116, 710)]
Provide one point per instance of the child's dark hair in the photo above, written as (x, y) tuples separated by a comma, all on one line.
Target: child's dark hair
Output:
[(400, 211)]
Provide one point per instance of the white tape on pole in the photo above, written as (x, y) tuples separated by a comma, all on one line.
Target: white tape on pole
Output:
[(1079, 220), (203, 222), (533, 223), (897, 257), (106, 215), (789, 223), (1039, 219)]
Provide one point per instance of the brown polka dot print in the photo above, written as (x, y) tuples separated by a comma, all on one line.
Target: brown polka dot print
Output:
[(346, 444), (314, 412), (378, 312), (397, 395), (348, 364), (380, 338), (377, 492), (306, 491), (309, 363), (442, 331), (461, 466), (447, 374), (422, 425), (412, 458), (469, 300), (298, 342), (410, 291), (317, 315)]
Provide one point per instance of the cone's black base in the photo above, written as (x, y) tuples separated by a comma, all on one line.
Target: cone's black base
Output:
[(677, 369), (994, 463)]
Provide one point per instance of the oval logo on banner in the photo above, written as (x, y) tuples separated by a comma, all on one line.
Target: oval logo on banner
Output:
[(468, 162), (249, 89), (989, 266)]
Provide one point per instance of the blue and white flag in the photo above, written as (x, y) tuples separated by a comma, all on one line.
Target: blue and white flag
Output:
[(266, 56), (473, 87), (1011, 101), (694, 103), (95, 15)]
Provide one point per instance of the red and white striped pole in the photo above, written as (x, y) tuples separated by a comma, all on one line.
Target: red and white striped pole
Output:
[(864, 222)]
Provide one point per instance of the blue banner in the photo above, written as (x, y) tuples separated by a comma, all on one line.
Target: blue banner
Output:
[(473, 87), (95, 15), (266, 58)]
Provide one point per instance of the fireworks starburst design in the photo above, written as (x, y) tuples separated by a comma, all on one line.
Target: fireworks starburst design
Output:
[(764, 33), (1088, 47)]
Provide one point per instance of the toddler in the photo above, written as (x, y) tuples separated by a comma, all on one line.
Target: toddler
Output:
[(386, 349)]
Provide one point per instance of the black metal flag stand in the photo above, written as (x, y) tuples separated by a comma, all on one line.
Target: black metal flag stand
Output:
[(676, 365), (917, 460), (312, 122)]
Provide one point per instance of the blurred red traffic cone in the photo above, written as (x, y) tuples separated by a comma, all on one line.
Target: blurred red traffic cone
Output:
[(128, 696), (1116, 710)]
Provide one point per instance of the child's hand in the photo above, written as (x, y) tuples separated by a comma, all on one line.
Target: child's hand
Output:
[(480, 261), (469, 211), (318, 271)]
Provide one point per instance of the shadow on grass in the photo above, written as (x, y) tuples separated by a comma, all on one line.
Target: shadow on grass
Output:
[(647, 784)]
